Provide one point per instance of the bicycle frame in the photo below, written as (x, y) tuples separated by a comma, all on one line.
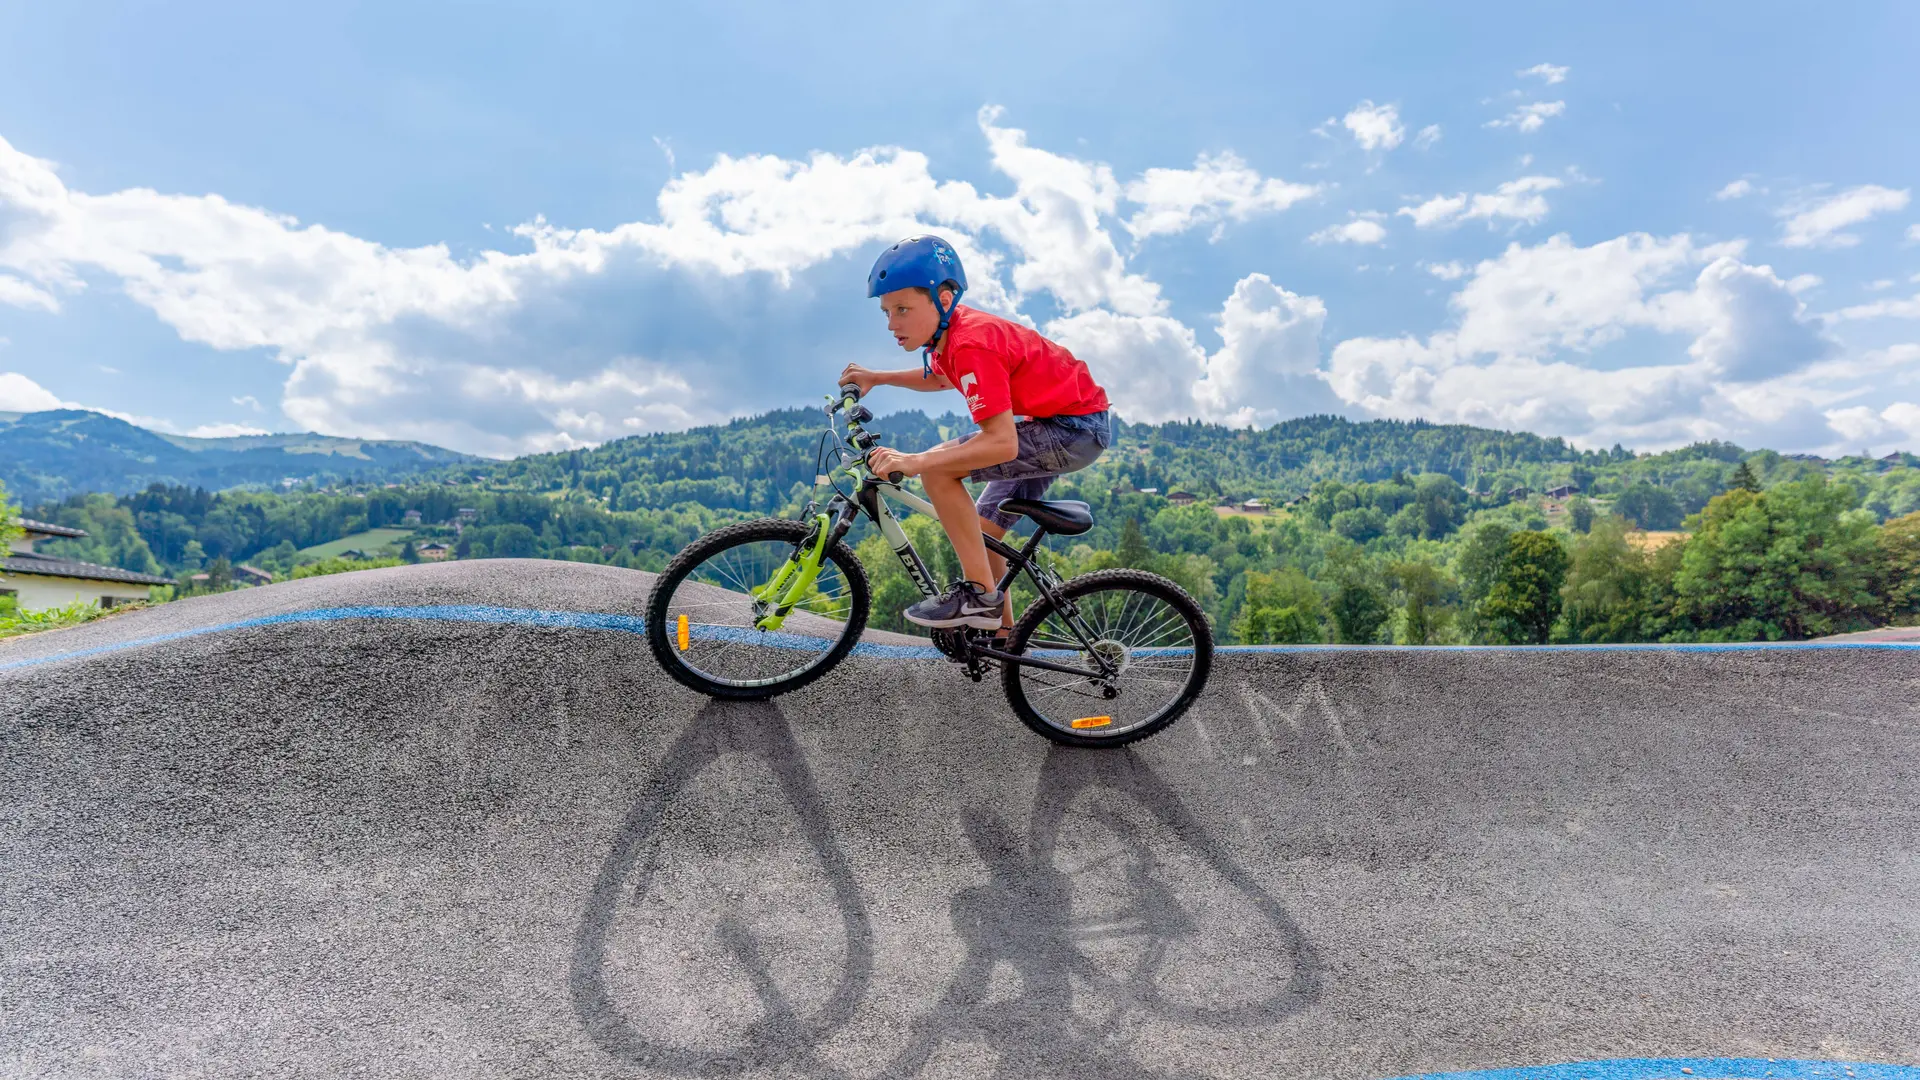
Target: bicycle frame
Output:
[(871, 498)]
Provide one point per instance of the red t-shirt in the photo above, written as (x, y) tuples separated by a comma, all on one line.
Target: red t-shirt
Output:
[(1000, 365)]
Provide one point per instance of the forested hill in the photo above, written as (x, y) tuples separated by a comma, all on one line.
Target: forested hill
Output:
[(766, 464), (49, 455), (758, 463)]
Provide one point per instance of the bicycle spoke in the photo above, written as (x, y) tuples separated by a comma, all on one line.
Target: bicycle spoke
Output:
[(1146, 642), (726, 641)]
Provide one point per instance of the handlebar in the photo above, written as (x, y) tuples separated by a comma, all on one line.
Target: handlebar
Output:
[(850, 397)]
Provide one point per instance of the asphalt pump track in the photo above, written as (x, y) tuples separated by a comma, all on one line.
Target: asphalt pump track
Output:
[(452, 821)]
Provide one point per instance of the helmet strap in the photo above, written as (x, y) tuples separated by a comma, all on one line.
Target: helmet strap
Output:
[(946, 316)]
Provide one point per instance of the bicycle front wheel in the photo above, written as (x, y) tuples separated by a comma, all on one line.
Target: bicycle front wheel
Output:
[(1152, 635), (707, 616)]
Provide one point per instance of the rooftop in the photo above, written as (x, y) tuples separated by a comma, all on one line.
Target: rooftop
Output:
[(46, 529), (48, 566)]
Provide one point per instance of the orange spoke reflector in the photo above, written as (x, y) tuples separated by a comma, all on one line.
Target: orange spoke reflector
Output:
[(683, 634), (1093, 721)]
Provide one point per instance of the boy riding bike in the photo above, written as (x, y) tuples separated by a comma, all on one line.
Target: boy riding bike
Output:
[(1039, 412)]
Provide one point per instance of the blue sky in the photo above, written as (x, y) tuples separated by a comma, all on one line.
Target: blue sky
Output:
[(501, 228)]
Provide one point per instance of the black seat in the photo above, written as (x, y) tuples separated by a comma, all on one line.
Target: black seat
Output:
[(1056, 516)]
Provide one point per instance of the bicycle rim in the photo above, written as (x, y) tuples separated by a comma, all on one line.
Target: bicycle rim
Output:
[(712, 616), (1150, 638)]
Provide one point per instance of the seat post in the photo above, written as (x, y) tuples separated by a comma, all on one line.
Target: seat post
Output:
[(1033, 542)]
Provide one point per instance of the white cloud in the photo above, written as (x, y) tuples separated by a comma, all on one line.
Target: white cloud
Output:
[(1530, 117), (21, 394), (1550, 73), (1913, 233), (1427, 137), (1889, 308), (1737, 189), (1375, 127), (249, 401), (25, 294), (1222, 186), (1818, 222), (1361, 230), (1267, 368), (1525, 321), (1897, 426), (736, 297), (563, 342), (1519, 200), (225, 431)]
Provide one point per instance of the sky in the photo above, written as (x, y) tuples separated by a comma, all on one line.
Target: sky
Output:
[(506, 228)]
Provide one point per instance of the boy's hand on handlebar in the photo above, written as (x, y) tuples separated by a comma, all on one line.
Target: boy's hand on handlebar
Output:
[(864, 378), (884, 461)]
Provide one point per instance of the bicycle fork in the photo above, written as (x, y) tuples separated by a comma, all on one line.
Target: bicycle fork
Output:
[(794, 579)]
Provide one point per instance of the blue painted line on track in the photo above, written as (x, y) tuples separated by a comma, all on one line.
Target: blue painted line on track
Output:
[(629, 624), (1697, 1069)]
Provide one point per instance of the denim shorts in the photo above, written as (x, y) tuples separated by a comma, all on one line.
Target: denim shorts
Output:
[(1048, 448)]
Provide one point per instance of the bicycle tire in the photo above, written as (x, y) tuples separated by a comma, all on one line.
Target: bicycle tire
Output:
[(660, 624), (1015, 678)]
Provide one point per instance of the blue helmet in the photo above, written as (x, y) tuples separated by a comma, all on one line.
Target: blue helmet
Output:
[(925, 262)]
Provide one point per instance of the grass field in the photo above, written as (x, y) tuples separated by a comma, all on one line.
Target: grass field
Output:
[(1651, 540), (373, 542)]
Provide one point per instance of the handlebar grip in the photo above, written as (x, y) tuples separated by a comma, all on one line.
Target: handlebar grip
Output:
[(850, 390), (896, 477)]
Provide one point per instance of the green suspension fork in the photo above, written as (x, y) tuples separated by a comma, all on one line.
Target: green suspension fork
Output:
[(794, 578)]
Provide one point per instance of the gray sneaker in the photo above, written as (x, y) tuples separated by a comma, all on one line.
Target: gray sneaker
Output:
[(964, 604)]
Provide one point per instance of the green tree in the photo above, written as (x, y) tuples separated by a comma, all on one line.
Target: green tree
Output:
[(1609, 585), (220, 575), (1477, 565), (1424, 615), (1359, 604), (1132, 551), (1649, 507), (1580, 513), (1900, 563), (1525, 598), (512, 541), (9, 517), (1360, 524), (1743, 479), (407, 552), (1792, 562), (1281, 608)]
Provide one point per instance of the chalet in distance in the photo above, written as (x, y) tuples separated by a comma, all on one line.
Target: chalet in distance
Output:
[(38, 582)]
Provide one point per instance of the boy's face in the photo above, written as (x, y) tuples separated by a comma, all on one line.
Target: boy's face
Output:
[(911, 317)]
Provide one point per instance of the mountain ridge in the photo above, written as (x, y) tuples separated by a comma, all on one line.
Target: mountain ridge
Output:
[(51, 454)]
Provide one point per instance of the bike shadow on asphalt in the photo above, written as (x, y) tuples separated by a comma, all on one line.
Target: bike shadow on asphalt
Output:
[(1089, 972)]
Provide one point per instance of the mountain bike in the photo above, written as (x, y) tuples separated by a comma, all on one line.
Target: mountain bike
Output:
[(763, 607)]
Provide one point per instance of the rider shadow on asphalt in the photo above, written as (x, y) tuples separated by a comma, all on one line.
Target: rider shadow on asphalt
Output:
[(1066, 945)]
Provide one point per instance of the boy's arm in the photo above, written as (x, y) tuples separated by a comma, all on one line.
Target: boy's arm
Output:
[(911, 379), (997, 444)]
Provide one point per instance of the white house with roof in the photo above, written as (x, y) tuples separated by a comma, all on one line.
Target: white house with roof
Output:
[(38, 582)]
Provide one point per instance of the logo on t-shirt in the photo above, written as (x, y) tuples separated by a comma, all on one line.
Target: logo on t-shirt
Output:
[(966, 384)]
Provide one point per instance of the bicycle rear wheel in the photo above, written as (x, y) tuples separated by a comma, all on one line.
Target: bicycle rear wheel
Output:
[(702, 616), (1145, 625)]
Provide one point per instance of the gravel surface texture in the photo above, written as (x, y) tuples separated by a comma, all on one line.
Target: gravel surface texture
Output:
[(409, 848)]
